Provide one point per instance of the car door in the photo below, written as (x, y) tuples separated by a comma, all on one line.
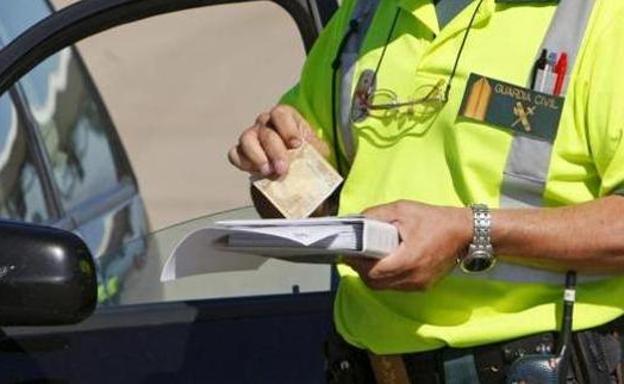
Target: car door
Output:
[(274, 336), (87, 179)]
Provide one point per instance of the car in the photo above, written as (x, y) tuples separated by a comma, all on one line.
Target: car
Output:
[(64, 164), (260, 326)]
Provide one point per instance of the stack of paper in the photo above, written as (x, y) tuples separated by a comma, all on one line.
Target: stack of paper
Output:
[(343, 237), (241, 245)]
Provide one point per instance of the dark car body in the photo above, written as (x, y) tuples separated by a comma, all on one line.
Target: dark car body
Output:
[(143, 331)]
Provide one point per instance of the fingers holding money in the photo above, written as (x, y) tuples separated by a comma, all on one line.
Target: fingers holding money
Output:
[(284, 120), (263, 147), (295, 129), (238, 159), (310, 137), (260, 150), (250, 152), (274, 149)]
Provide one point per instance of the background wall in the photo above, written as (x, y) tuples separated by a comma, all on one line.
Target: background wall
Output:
[(181, 87)]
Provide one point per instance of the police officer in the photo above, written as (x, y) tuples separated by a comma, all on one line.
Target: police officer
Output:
[(491, 133)]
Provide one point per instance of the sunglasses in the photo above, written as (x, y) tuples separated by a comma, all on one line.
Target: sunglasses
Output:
[(384, 103)]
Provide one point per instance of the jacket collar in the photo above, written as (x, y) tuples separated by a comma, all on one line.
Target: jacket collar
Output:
[(424, 12)]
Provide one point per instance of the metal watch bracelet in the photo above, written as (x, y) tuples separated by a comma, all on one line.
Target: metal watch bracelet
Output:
[(480, 256)]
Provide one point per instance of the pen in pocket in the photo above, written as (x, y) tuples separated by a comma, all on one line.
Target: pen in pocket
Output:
[(548, 81), (561, 70), (538, 69)]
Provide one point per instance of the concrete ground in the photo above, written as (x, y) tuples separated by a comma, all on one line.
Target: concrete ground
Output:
[(180, 88)]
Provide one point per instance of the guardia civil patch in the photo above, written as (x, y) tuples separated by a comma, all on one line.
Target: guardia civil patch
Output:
[(509, 106)]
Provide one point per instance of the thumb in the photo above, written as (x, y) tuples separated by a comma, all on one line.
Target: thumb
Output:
[(385, 212), (312, 138), (392, 265)]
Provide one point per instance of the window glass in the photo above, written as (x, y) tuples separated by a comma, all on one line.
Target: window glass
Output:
[(18, 15), (21, 192), (73, 128), (180, 102)]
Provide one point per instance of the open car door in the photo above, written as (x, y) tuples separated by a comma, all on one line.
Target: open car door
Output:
[(276, 336)]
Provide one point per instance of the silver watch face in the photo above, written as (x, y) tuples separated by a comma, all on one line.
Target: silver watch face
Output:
[(477, 260)]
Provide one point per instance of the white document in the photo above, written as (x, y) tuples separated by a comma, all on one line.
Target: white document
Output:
[(246, 244)]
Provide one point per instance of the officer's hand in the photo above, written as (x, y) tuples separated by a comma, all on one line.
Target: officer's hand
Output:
[(262, 147), (432, 239)]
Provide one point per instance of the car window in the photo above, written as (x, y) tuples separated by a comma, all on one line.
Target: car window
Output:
[(180, 102), (225, 85), (18, 15), (21, 192), (71, 123), (73, 128)]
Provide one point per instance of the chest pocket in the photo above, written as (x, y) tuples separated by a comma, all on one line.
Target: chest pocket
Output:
[(525, 113), (528, 161)]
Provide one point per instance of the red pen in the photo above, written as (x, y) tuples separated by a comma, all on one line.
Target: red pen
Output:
[(561, 70)]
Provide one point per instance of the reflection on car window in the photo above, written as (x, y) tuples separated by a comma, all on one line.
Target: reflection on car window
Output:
[(73, 129), (18, 15), (21, 193)]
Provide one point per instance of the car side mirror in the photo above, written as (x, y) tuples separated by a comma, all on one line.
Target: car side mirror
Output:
[(47, 276)]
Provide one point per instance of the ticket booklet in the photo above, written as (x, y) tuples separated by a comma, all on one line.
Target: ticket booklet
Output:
[(246, 244)]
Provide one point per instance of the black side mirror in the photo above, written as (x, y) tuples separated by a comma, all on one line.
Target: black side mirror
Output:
[(47, 276)]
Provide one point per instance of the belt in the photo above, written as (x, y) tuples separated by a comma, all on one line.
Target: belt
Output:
[(485, 364), (595, 359)]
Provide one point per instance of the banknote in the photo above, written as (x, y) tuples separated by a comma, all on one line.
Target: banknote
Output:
[(310, 180)]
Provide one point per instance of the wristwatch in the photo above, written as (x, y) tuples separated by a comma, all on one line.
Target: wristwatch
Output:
[(480, 256)]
